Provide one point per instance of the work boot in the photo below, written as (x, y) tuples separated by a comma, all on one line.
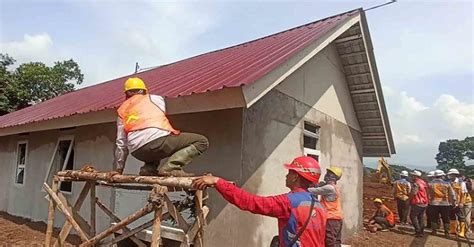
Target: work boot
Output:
[(148, 169), (453, 224), (462, 230), (434, 227), (179, 159)]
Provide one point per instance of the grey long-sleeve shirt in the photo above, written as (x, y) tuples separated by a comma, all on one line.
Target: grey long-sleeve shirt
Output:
[(328, 191), (136, 139)]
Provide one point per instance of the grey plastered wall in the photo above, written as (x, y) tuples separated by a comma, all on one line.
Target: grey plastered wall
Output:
[(93, 145), (273, 136)]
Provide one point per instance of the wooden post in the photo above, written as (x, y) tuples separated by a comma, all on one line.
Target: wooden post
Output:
[(52, 206), (157, 199), (92, 206), (66, 212), (77, 206), (130, 234), (199, 241)]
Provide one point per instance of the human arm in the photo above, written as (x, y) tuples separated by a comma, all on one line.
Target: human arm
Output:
[(121, 151), (274, 206), (323, 190)]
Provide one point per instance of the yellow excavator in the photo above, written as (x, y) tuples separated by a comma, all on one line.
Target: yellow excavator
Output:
[(384, 172)]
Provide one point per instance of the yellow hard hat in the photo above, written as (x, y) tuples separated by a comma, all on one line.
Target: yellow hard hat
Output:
[(134, 83), (378, 200), (336, 170)]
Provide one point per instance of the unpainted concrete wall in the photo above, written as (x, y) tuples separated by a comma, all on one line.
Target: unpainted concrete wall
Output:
[(273, 136), (93, 144)]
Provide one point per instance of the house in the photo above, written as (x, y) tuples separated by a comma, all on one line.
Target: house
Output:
[(311, 90)]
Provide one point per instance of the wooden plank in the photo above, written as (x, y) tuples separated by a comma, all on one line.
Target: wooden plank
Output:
[(65, 211), (92, 208), (131, 218), (126, 230), (182, 182), (158, 192), (176, 215), (51, 207), (77, 206)]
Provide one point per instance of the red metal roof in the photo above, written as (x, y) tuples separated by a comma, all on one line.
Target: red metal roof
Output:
[(231, 67)]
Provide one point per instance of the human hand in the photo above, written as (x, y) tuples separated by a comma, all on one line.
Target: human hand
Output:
[(111, 174), (176, 132), (203, 182)]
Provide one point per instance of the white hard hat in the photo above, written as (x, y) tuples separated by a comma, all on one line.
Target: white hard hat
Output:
[(453, 171), (416, 173), (404, 173), (438, 173), (430, 174)]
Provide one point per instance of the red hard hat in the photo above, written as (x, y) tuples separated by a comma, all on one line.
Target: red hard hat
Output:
[(306, 167)]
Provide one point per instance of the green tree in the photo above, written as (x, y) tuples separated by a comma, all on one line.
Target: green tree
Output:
[(454, 153), (34, 82)]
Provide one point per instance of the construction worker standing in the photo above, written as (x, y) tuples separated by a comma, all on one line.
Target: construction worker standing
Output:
[(301, 217), (457, 215), (401, 191), (430, 176), (441, 195), (144, 130), (331, 200), (467, 203), (418, 203)]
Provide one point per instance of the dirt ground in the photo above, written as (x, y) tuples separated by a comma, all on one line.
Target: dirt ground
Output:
[(16, 231), (398, 236)]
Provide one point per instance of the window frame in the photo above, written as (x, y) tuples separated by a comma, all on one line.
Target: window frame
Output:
[(311, 151), (15, 182), (68, 154)]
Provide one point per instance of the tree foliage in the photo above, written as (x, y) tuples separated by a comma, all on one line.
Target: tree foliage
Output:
[(34, 82), (454, 153)]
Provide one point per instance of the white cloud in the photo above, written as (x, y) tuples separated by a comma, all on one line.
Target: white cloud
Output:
[(409, 106), (36, 47), (458, 114), (419, 128), (407, 138)]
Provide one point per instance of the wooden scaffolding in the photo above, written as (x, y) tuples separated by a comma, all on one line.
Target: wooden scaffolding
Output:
[(158, 202)]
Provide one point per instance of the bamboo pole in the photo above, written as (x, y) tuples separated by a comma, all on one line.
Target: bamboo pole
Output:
[(75, 215), (109, 212), (51, 207), (77, 206), (92, 208), (183, 182), (131, 218), (176, 215), (66, 212)]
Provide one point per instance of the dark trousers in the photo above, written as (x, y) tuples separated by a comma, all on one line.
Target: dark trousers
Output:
[(456, 213), (382, 222), (417, 214), (153, 152), (436, 212), (403, 207), (333, 233)]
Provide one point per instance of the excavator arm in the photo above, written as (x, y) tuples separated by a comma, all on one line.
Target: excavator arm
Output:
[(384, 171)]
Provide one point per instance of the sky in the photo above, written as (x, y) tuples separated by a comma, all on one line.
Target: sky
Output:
[(423, 49)]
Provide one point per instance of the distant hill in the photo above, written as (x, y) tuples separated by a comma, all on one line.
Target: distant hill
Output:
[(396, 170)]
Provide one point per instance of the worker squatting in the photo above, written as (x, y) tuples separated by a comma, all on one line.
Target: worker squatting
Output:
[(308, 216), (444, 198)]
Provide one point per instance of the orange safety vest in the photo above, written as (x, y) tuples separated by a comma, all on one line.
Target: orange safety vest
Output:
[(139, 112), (333, 208), (402, 189), (390, 217), (467, 198), (458, 190), (439, 191)]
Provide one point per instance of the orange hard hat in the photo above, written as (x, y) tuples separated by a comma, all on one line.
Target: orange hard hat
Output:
[(306, 167)]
